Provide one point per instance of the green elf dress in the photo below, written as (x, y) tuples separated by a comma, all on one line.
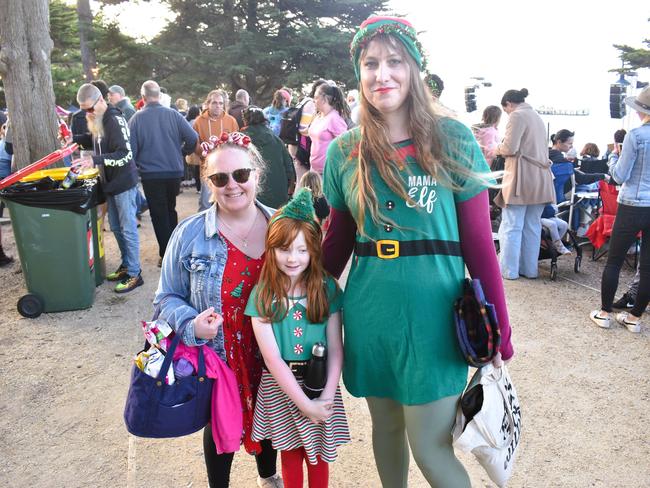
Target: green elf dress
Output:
[(399, 337), (276, 417)]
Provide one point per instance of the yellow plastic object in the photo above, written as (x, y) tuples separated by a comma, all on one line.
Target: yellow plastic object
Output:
[(58, 174)]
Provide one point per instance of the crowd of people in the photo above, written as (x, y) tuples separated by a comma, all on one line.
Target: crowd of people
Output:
[(384, 173)]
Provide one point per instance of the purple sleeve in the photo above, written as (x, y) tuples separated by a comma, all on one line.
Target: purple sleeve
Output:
[(481, 259), (339, 241)]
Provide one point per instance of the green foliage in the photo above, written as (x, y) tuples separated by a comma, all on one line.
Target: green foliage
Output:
[(634, 58), (120, 59), (67, 72), (257, 45)]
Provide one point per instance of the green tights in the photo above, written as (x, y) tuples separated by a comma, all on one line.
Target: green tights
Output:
[(426, 429)]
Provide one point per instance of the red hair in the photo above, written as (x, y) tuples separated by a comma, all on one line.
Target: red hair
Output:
[(272, 288)]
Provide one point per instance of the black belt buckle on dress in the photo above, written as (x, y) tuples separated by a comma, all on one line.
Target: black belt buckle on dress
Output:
[(387, 249), (297, 368)]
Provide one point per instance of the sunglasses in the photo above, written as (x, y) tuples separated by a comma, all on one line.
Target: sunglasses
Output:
[(240, 175), (92, 107)]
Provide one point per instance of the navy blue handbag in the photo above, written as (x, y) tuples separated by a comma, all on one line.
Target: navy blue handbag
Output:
[(476, 324), (155, 409)]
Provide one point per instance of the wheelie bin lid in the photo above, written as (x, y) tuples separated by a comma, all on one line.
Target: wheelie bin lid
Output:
[(58, 174), (51, 158)]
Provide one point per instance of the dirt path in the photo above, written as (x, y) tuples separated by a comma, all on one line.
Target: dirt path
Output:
[(64, 376)]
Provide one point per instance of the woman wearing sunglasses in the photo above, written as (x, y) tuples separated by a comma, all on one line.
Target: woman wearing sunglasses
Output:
[(212, 262)]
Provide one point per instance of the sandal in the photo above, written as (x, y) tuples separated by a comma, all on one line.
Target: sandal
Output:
[(634, 327), (602, 322)]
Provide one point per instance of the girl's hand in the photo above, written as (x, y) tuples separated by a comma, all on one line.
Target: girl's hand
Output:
[(317, 410), (207, 323)]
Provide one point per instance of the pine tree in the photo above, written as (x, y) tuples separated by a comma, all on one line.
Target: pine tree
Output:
[(634, 58), (259, 46), (25, 48)]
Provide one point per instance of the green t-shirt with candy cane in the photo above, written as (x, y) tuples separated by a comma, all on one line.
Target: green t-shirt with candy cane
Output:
[(399, 336), (294, 334)]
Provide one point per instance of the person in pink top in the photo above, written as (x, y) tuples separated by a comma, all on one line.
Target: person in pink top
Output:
[(486, 132), (328, 123)]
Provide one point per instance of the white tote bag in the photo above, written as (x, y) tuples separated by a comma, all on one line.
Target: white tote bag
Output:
[(488, 422)]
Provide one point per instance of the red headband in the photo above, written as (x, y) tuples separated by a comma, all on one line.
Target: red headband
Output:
[(232, 138)]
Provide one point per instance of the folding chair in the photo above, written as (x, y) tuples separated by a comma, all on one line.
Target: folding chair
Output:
[(600, 229)]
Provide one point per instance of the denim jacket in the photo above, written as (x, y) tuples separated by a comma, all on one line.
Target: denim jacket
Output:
[(632, 168), (192, 270)]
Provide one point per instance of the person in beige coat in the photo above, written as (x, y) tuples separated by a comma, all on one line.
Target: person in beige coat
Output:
[(527, 187)]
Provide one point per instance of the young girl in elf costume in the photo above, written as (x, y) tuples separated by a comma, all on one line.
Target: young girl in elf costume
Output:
[(295, 305)]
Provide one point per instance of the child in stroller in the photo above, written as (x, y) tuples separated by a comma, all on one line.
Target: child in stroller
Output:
[(555, 228)]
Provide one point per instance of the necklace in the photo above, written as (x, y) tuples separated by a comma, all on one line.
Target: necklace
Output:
[(244, 240)]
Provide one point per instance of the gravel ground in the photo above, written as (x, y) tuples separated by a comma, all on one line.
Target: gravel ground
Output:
[(64, 376)]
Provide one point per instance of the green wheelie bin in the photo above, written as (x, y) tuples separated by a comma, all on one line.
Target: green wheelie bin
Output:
[(54, 236), (58, 174)]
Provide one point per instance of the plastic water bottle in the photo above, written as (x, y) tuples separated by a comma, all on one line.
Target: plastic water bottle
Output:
[(316, 371)]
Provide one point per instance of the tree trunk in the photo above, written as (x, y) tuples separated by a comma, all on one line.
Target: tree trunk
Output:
[(25, 48), (88, 59)]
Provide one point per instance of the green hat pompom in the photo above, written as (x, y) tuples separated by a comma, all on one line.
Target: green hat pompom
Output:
[(300, 207)]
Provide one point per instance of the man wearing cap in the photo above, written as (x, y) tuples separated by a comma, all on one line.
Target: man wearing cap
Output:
[(213, 121), (160, 140), (109, 137), (118, 99)]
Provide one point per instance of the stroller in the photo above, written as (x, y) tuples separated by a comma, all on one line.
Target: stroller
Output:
[(564, 174), (547, 250)]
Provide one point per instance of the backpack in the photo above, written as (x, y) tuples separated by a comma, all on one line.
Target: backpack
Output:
[(290, 122)]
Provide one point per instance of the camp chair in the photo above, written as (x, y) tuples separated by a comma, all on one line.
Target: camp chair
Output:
[(600, 229)]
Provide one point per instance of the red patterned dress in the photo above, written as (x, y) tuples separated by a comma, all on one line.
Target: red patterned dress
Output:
[(242, 353)]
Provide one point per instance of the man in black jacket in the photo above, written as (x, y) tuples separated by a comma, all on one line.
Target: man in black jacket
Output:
[(109, 138)]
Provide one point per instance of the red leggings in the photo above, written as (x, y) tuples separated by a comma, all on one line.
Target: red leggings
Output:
[(317, 474)]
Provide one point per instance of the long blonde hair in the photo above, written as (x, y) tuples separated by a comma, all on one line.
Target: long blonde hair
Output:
[(376, 148), (312, 180)]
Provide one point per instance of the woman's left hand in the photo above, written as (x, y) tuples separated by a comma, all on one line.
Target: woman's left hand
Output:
[(497, 361)]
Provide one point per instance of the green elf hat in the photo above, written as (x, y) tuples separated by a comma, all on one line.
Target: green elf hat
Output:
[(399, 28), (300, 207)]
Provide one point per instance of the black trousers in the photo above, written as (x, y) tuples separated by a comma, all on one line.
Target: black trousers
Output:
[(629, 222), (196, 173), (161, 197), (218, 465)]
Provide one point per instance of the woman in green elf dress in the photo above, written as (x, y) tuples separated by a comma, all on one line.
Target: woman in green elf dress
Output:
[(408, 196)]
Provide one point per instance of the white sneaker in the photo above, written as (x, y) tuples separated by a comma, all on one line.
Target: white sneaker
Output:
[(274, 481), (559, 247), (634, 327), (602, 322)]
